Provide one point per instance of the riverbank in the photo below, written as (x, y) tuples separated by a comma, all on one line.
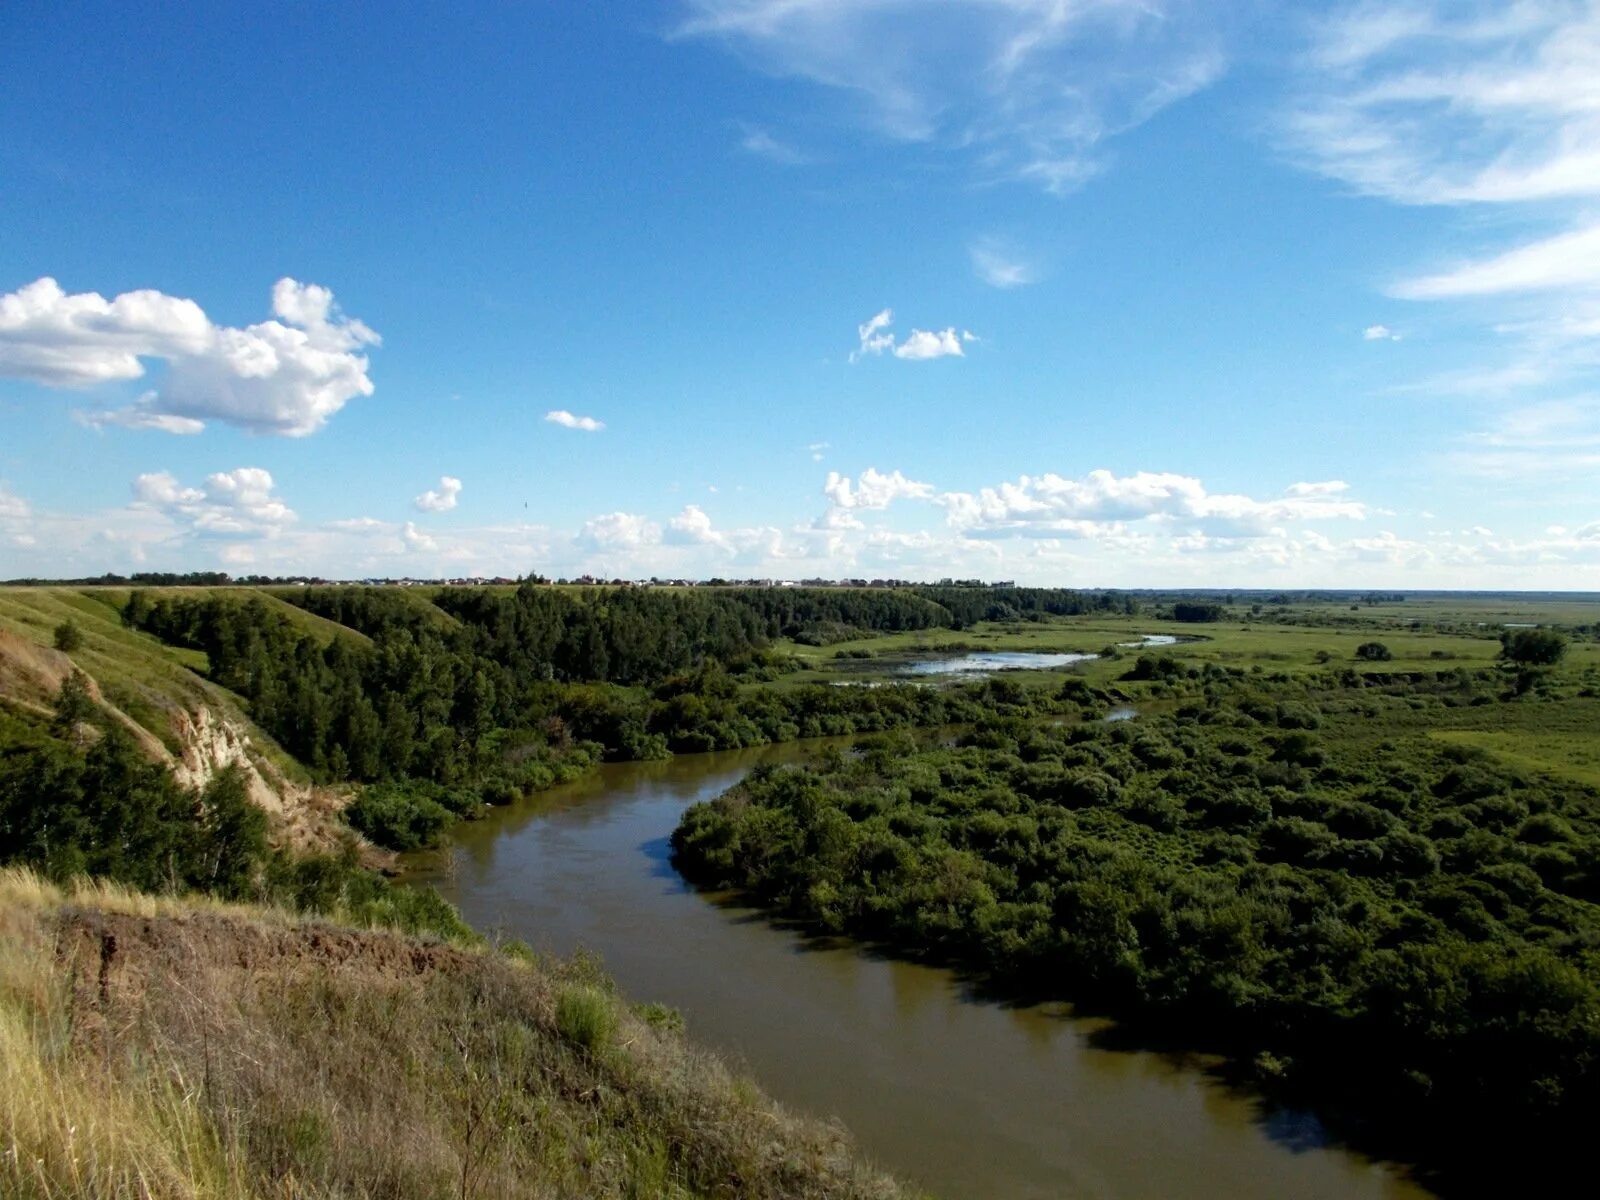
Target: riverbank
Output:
[(185, 1048), (964, 1096)]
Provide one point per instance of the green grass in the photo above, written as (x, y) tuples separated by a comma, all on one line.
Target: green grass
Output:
[(1565, 755), (1448, 636), (136, 672)]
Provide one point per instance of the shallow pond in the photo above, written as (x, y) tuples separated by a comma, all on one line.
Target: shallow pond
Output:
[(984, 662)]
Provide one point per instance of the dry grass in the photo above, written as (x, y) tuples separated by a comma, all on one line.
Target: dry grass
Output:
[(155, 1047)]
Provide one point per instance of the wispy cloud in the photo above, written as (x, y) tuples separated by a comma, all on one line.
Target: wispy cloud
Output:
[(761, 143), (1380, 333), (1491, 106), (1568, 260), (567, 420), (1025, 89), (1455, 102), (1000, 265)]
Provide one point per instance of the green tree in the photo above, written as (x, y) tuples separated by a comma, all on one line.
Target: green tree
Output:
[(1532, 647)]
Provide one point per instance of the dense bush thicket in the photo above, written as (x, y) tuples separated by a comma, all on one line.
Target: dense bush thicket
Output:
[(1402, 927)]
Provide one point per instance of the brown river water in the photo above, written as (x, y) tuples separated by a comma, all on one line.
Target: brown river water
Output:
[(971, 1099)]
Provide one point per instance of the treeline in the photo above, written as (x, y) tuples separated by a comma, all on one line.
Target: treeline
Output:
[(968, 605), (527, 688), (1399, 929)]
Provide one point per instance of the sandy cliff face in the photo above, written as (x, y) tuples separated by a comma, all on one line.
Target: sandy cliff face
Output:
[(303, 816)]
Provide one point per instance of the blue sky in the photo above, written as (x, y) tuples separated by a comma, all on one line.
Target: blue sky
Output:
[(1090, 292)]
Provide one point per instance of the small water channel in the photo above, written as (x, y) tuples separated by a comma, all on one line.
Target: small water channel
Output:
[(970, 1098)]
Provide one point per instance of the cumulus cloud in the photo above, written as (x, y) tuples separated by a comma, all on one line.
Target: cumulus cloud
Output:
[(919, 345), (1000, 266), (1023, 89), (691, 527), (285, 376), (618, 531), (443, 499), (1380, 333), (237, 503), (567, 420), (1051, 505), (873, 489)]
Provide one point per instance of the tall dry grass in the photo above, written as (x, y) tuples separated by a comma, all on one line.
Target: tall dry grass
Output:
[(160, 1048)]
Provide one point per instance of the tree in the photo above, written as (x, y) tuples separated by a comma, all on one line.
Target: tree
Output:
[(74, 703), (68, 637), (1373, 652), (1532, 647)]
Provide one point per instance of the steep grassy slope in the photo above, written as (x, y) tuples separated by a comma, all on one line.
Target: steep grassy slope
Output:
[(158, 693), (186, 1049)]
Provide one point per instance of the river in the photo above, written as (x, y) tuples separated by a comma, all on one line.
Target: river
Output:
[(971, 1099)]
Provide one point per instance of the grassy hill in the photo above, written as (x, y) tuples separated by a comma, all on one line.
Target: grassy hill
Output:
[(183, 1048)]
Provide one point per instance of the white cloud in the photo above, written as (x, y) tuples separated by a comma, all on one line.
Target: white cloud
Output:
[(237, 503), (1000, 266), (919, 345), (873, 489), (1051, 505), (817, 449), (1380, 333), (560, 416), (1451, 103), (1326, 487), (416, 540), (286, 376), (1568, 260), (442, 500), (691, 527), (618, 531), (923, 344), (1023, 89), (78, 340), (141, 415), (12, 506)]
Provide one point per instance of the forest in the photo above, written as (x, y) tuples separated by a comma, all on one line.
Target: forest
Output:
[(484, 696)]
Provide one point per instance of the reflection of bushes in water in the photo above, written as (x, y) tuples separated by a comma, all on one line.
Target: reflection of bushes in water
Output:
[(1407, 925)]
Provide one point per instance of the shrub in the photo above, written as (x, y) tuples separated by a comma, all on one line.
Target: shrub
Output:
[(585, 1016), (68, 637), (398, 819), (1373, 652)]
